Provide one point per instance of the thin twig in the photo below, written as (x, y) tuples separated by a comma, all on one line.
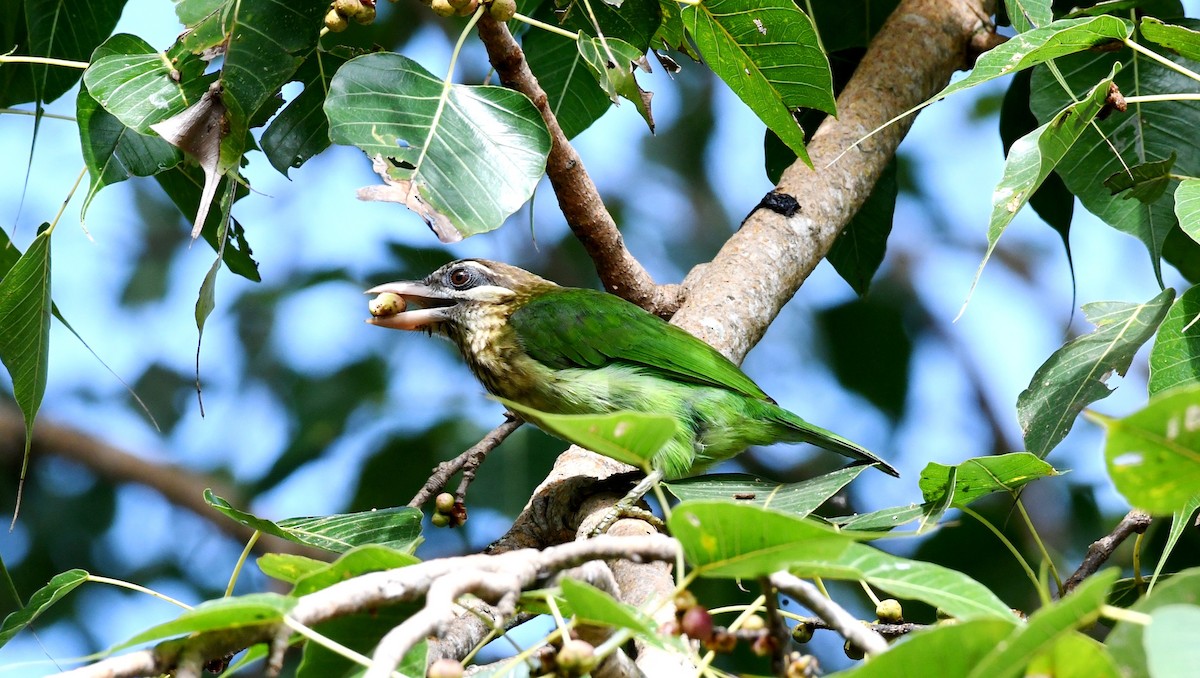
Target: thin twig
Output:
[(833, 614), (884, 629), (1102, 549), (577, 195), (776, 628), (467, 462)]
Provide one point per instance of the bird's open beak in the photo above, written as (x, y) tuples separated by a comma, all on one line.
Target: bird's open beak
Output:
[(420, 306)]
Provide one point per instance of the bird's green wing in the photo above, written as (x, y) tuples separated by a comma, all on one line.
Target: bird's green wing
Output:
[(571, 327)]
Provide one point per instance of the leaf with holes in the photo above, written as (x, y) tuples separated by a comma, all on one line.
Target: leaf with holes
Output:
[(1175, 356), (614, 63), (463, 157), (1153, 455)]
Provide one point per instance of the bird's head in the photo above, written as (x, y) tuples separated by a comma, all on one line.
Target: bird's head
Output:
[(454, 295)]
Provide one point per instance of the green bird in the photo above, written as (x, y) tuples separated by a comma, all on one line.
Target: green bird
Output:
[(567, 350)]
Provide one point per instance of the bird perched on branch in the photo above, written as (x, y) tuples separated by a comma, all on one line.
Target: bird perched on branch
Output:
[(566, 350)]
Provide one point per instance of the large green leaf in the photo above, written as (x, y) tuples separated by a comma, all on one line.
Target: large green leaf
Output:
[(629, 437), (1153, 455), (183, 184), (54, 590), (356, 561), (1171, 648), (1147, 132), (589, 604), (113, 151), (723, 539), (1078, 609), (614, 64), (799, 499), (301, 129), (1052, 41), (1126, 641), (859, 249), (633, 21), (1175, 357), (254, 609), (396, 528), (947, 651), (953, 592), (768, 53), (1187, 207), (1031, 159), (140, 85), (1179, 39), (1074, 376), (1027, 15), (25, 330), (463, 158), (982, 476), (60, 29)]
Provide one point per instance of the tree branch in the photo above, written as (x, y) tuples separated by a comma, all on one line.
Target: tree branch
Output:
[(731, 301), (578, 198), (1102, 549), (177, 485), (830, 612)]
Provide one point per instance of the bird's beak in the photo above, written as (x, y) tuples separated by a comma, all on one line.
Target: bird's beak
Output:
[(421, 306)]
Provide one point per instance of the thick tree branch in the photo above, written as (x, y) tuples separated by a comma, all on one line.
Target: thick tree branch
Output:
[(731, 301), (177, 485), (1102, 549), (578, 198)]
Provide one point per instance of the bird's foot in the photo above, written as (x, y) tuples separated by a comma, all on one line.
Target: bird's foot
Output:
[(627, 507)]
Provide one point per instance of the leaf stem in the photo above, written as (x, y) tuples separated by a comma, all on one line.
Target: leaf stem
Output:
[(447, 84), (241, 561), (1121, 614), (1152, 98), (135, 587), (1162, 60), (55, 116), (545, 26), (71, 194), (44, 61), (1012, 549), (1037, 539)]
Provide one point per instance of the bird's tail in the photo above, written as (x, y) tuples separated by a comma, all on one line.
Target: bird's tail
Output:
[(798, 430)]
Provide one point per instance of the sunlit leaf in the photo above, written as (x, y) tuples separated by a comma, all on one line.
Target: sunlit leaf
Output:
[(983, 475), (614, 63), (1171, 650), (768, 53), (591, 605), (1187, 207), (397, 528), (54, 590), (1075, 375), (1179, 39), (1175, 356), (1073, 655), (462, 157), (254, 609), (356, 561), (1153, 455), (722, 539), (1180, 521), (799, 499), (1126, 642), (288, 567), (1027, 15), (629, 437), (953, 650)]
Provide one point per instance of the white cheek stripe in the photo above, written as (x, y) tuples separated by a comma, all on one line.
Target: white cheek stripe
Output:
[(488, 293)]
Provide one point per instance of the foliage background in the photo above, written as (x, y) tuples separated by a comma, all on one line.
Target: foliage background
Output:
[(308, 411)]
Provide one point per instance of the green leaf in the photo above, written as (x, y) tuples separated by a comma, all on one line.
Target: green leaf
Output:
[(301, 129), (616, 75), (1143, 133), (883, 519), (869, 349), (1073, 655), (629, 437), (397, 528), (1052, 41), (25, 331), (1126, 642), (1180, 521), (360, 632), (593, 606), (858, 250), (1187, 207), (1031, 159), (721, 539), (54, 590), (254, 609), (60, 29), (954, 592), (570, 87), (1027, 15), (798, 499), (670, 35), (1183, 41), (183, 185), (1145, 181), (141, 86), (1153, 455), (287, 567), (1079, 608), (1171, 649), (952, 649), (356, 561), (982, 476), (768, 53), (633, 21), (1073, 377), (463, 158), (1175, 356)]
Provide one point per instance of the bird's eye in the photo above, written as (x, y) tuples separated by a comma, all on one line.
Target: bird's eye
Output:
[(460, 277)]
